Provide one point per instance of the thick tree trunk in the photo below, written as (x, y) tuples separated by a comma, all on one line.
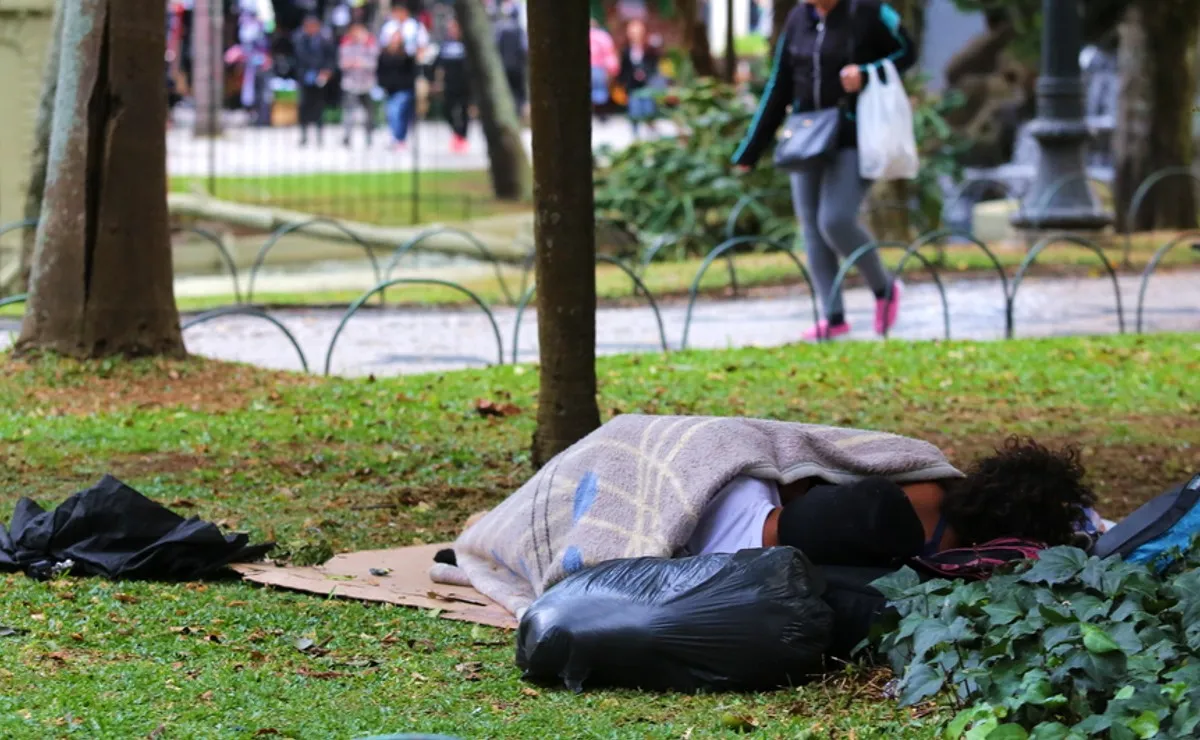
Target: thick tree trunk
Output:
[(41, 149), (509, 163), (564, 225), (1154, 117), (208, 66), (101, 282)]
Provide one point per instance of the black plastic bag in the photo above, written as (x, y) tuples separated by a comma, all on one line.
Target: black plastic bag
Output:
[(753, 619)]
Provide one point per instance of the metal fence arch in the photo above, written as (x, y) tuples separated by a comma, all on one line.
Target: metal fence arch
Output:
[(1064, 238), (960, 192), (466, 236), (1159, 255), (909, 251), (664, 240), (251, 312), (362, 300), (226, 257), (748, 200), (527, 296), (937, 237), (723, 248), (13, 300), (286, 229), (1139, 196)]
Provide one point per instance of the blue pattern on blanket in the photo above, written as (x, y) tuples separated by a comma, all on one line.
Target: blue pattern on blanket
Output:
[(572, 560), (585, 494)]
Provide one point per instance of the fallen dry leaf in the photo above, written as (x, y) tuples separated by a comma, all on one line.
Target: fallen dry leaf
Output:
[(484, 407), (319, 674), (530, 692), (126, 598)]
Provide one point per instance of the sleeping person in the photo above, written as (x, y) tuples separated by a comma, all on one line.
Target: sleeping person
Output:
[(1024, 490)]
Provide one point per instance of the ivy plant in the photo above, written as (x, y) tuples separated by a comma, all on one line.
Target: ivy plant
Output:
[(1063, 648)]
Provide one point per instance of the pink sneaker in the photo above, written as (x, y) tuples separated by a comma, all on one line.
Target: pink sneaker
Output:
[(887, 311), (824, 331)]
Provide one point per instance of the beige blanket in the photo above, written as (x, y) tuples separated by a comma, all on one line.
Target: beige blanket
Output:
[(637, 486)]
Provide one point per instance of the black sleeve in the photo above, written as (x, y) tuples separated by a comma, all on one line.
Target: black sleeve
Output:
[(772, 108), (625, 75), (890, 40), (867, 523)]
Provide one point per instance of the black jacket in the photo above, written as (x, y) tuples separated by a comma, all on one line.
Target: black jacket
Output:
[(629, 76), (809, 59), (396, 72), (314, 54), (452, 60)]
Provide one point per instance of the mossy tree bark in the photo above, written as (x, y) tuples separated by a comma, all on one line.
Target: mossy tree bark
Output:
[(498, 114), (564, 225), (101, 279)]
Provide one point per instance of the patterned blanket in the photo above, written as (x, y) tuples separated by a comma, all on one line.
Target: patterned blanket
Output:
[(637, 486)]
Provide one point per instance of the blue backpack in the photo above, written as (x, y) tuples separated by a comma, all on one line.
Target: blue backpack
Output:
[(1158, 531)]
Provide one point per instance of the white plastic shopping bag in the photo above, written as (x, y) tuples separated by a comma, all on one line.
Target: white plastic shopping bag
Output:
[(887, 146)]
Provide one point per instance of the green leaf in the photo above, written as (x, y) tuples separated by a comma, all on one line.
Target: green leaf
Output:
[(921, 681), (982, 729), (1097, 640), (1056, 565), (895, 586), (1145, 725), (928, 635), (1003, 613), (966, 718), (1008, 732), (1050, 731)]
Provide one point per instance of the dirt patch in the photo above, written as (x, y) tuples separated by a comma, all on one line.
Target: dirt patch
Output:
[(195, 384), (140, 466)]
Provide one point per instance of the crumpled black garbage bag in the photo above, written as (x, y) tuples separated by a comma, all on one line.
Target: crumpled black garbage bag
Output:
[(112, 530), (753, 619)]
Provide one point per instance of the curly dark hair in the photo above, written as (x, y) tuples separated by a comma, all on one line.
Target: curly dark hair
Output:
[(1024, 490)]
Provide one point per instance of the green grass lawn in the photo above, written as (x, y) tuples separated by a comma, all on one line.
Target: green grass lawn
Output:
[(384, 198), (376, 463)]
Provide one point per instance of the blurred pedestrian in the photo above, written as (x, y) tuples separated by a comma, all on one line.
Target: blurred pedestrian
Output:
[(456, 89), (316, 58), (358, 58), (513, 45), (639, 75), (397, 75), (606, 64)]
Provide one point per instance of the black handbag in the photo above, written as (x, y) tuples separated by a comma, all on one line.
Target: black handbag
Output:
[(811, 136), (808, 137)]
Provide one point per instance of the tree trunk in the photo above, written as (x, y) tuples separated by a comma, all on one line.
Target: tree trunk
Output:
[(1154, 116), (101, 282), (730, 50), (41, 149), (564, 225), (509, 163), (208, 65)]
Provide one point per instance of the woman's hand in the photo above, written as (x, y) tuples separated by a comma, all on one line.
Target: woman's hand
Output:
[(741, 169), (852, 78)]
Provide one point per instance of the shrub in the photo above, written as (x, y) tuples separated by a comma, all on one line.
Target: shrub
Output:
[(1068, 646)]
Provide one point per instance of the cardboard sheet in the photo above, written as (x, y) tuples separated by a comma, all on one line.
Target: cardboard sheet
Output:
[(348, 576)]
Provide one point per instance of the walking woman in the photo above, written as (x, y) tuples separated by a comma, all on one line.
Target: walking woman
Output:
[(456, 88), (397, 74), (820, 64), (639, 72)]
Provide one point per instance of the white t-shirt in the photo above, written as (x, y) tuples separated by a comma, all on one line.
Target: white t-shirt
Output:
[(734, 519)]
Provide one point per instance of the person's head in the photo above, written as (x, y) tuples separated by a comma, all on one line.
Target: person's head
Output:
[(395, 43), (593, 23), (453, 30), (635, 33), (401, 12), (358, 33), (312, 25), (823, 6), (1023, 490)]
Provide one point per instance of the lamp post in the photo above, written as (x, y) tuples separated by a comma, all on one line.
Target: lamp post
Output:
[(1060, 198)]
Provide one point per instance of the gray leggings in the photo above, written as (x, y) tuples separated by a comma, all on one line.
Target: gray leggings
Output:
[(826, 199)]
